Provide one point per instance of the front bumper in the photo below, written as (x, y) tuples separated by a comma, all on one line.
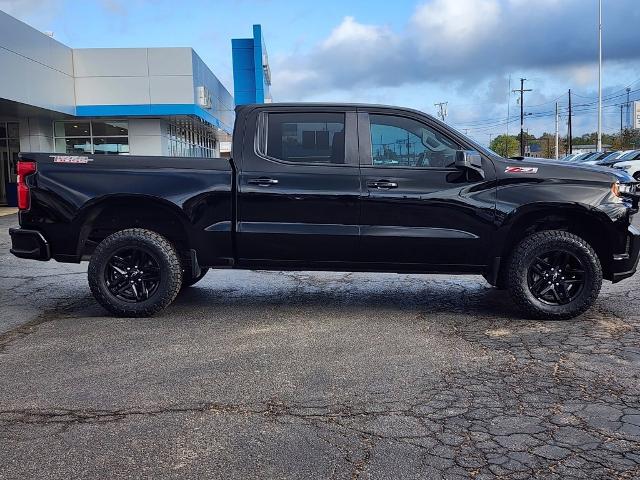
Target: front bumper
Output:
[(625, 265), (29, 244)]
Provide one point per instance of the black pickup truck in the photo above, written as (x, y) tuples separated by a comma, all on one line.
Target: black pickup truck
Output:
[(338, 187)]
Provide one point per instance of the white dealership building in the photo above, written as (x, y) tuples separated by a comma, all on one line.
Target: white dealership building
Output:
[(142, 101)]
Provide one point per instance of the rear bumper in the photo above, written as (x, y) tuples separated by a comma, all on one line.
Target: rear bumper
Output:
[(625, 265), (29, 244)]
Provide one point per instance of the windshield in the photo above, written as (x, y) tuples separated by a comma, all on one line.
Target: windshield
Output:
[(599, 156), (611, 158), (629, 155)]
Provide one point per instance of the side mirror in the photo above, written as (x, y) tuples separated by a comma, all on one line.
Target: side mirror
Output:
[(469, 160)]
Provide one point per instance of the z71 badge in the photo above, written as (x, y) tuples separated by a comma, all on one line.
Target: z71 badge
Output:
[(521, 170)]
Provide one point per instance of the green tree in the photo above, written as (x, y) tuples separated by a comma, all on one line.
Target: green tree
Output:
[(630, 139), (547, 142), (507, 146)]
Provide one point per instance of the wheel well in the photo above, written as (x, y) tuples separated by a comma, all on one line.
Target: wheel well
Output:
[(118, 215), (579, 223)]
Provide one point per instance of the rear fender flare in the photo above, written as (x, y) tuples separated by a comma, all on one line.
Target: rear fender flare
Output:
[(88, 214)]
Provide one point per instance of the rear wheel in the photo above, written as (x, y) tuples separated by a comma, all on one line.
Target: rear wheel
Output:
[(135, 273), (554, 275)]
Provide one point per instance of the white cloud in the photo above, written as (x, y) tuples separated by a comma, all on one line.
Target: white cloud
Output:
[(459, 22), (460, 43), (350, 33)]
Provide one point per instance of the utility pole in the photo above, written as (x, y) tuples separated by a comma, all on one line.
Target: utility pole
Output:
[(442, 110), (522, 90), (621, 134), (549, 147), (570, 132), (628, 109), (506, 137), (599, 75), (557, 132)]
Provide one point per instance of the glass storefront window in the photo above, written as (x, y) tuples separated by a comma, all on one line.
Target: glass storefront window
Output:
[(110, 129), (94, 136), (12, 130), (186, 138), (73, 146), (110, 145), (14, 150), (72, 129), (9, 149)]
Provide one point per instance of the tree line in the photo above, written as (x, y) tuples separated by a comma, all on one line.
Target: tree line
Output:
[(509, 146)]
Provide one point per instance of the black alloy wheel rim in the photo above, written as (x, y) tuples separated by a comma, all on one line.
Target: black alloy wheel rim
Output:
[(556, 277), (132, 275)]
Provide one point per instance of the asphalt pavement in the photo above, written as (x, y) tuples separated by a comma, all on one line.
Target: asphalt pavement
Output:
[(313, 375)]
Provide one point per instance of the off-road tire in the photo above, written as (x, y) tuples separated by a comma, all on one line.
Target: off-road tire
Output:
[(165, 256), (537, 244), (188, 280)]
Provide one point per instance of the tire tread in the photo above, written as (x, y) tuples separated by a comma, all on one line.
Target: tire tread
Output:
[(519, 291), (139, 236)]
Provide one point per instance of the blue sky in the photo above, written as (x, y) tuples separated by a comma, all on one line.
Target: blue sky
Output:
[(410, 53)]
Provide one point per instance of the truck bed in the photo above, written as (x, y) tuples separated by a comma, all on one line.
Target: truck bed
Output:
[(70, 193)]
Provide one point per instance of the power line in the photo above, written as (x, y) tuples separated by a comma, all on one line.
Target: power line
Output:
[(581, 108)]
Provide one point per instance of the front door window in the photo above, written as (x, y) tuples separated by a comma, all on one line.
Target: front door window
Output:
[(404, 142)]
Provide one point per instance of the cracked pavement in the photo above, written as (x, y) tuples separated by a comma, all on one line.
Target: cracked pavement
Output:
[(313, 375)]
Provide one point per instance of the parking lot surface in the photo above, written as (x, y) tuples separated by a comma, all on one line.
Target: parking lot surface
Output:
[(313, 375)]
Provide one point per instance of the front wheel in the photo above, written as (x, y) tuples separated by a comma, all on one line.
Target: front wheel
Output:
[(554, 275), (135, 273)]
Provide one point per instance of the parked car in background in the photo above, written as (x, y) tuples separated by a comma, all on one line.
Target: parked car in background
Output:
[(629, 156), (576, 157), (632, 167), (595, 158), (570, 157), (612, 157), (584, 157)]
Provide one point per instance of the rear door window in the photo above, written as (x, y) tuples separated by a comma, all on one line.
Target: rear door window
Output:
[(316, 138)]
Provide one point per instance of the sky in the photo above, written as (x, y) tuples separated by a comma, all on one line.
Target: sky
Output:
[(399, 52)]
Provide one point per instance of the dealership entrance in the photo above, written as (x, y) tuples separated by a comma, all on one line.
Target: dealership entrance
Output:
[(9, 149)]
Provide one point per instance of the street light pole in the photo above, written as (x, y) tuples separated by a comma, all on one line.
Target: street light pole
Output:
[(599, 75), (557, 139)]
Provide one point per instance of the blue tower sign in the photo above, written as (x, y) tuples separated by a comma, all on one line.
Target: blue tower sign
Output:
[(251, 74)]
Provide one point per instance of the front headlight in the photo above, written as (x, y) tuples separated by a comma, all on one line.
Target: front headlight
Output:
[(624, 189)]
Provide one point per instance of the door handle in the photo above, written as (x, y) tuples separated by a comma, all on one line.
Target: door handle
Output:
[(382, 184), (263, 181)]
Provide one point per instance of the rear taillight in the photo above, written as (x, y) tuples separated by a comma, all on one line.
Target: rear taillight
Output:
[(24, 198)]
